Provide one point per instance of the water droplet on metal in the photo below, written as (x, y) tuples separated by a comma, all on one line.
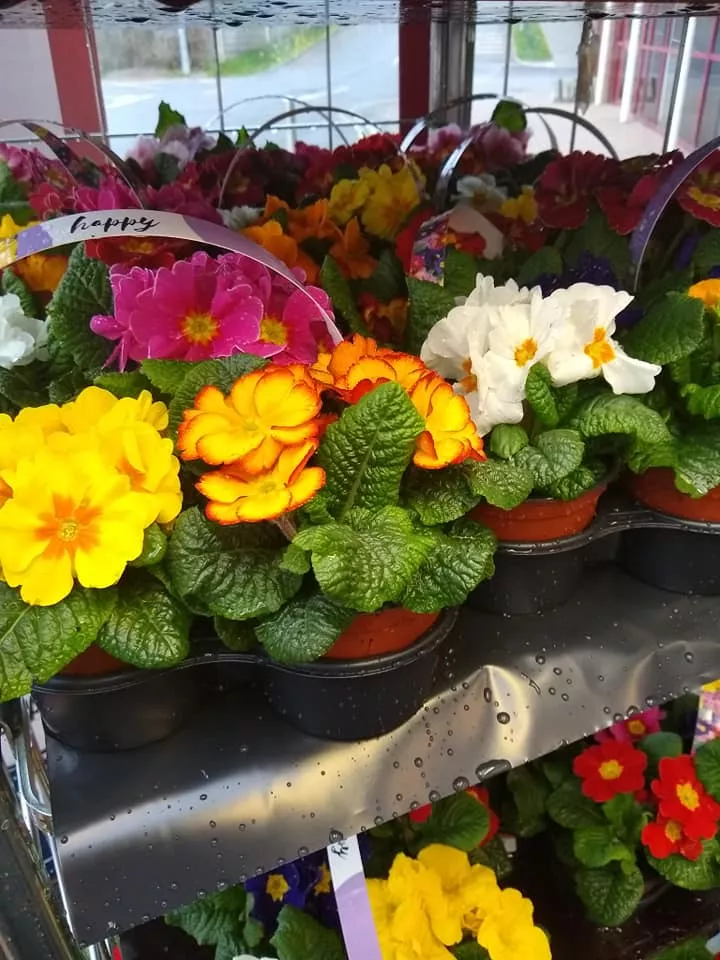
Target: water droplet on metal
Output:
[(689, 656), (460, 783), (335, 836), (203, 796), (540, 659), (487, 694), (557, 671), (418, 761), (433, 796), (551, 691), (564, 696), (503, 717)]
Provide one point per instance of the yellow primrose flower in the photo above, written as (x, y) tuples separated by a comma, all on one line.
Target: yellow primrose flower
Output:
[(471, 891), (706, 290), (523, 207), (19, 440), (8, 231), (411, 880), (508, 933), (393, 196), (70, 516), (346, 198), (403, 929), (41, 272), (96, 408), (138, 451)]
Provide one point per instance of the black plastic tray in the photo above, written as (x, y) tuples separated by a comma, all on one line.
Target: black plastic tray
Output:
[(682, 556), (333, 699)]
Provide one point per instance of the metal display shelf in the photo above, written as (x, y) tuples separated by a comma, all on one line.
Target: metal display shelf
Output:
[(238, 790), (234, 13)]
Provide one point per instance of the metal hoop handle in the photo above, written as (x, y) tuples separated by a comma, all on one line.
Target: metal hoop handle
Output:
[(69, 160), (580, 121), (640, 237), (278, 96), (285, 116)]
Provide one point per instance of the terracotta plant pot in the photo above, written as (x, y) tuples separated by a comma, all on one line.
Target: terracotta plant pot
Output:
[(386, 631), (540, 519), (94, 662), (656, 489)]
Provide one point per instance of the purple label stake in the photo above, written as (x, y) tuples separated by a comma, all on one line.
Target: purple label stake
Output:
[(353, 903)]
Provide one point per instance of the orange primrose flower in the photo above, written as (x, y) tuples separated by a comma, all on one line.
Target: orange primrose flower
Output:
[(352, 252), (706, 290), (236, 496), (357, 365), (450, 435), (265, 411), (41, 273)]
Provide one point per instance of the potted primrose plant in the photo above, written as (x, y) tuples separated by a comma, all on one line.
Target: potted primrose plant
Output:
[(552, 392), (680, 476), (629, 816), (303, 539)]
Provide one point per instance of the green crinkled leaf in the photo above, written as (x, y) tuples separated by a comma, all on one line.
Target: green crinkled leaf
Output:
[(607, 414), (598, 846), (12, 193), (461, 270), (549, 404), (236, 635), (299, 937), (459, 821), (706, 255), (429, 303), (67, 386), (509, 115), (627, 818), (707, 764), (662, 744), (438, 496), (166, 375), (543, 262), (529, 792), (456, 562), (694, 949), (231, 572), (501, 483), (83, 292), (37, 642), (494, 855), (507, 439), (670, 330), (697, 460), (700, 874), (296, 560), (220, 373), (556, 454), (130, 384), (470, 949), (337, 288), (214, 919), (570, 808), (154, 547), (575, 483), (304, 629), (366, 561), (26, 385), (147, 627), (11, 283), (610, 894), (703, 401), (366, 452), (388, 279), (168, 117)]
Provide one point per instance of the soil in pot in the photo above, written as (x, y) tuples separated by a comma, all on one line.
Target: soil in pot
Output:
[(548, 576), (656, 489), (386, 631)]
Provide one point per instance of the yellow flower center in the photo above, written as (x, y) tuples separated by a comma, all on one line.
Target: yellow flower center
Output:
[(270, 485), (673, 831), (68, 530), (610, 770), (469, 381), (323, 885), (600, 350), (200, 328), (139, 246), (709, 200), (636, 728), (276, 887), (273, 330), (526, 352), (687, 795)]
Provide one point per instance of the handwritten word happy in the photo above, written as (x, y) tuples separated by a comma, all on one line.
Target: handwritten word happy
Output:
[(124, 225)]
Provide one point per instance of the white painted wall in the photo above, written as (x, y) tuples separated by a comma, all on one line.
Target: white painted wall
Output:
[(27, 80)]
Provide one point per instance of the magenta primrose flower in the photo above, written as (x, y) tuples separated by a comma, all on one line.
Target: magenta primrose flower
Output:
[(203, 308), (636, 727)]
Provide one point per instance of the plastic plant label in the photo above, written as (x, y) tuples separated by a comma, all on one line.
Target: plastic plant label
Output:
[(356, 919), (439, 233), (707, 725)]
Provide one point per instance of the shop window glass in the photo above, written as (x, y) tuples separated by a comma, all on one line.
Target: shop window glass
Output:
[(691, 102), (710, 120), (704, 30)]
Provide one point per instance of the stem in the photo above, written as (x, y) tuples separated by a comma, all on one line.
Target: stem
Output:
[(287, 526)]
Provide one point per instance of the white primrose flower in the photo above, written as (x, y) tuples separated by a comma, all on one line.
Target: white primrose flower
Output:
[(240, 217), (509, 293), (481, 191), (447, 346), (483, 390), (584, 347), (520, 335), (21, 338)]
